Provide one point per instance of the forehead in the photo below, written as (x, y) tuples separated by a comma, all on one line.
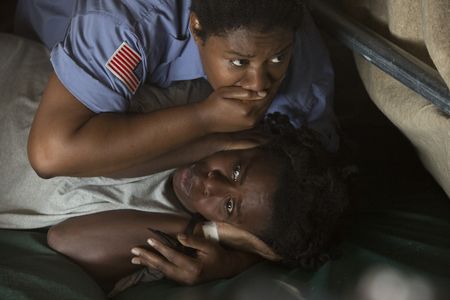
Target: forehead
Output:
[(248, 41), (257, 193)]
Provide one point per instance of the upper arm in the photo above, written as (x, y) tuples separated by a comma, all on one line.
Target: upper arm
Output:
[(101, 61), (58, 116), (84, 83), (101, 242)]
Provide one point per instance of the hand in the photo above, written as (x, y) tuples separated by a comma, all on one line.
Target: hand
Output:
[(211, 262), (243, 240), (230, 109), (240, 140)]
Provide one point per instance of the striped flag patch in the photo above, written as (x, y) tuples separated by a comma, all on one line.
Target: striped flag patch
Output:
[(123, 63)]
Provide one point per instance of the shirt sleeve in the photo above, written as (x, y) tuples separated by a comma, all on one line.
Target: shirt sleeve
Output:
[(307, 92), (100, 61)]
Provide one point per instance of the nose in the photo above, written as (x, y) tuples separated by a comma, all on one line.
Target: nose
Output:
[(256, 79), (216, 185), (215, 189)]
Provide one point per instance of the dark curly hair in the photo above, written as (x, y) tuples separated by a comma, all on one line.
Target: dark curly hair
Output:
[(217, 17), (311, 200)]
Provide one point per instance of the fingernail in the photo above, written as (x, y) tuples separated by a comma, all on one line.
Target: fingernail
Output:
[(262, 94), (135, 261), (182, 236), (151, 242), (135, 251)]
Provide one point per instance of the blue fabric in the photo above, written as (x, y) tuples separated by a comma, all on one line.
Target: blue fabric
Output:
[(84, 35)]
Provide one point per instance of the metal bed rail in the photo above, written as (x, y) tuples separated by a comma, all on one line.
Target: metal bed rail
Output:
[(390, 58)]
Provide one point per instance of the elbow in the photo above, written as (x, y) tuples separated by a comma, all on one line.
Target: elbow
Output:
[(56, 239), (44, 159), (78, 244), (63, 239)]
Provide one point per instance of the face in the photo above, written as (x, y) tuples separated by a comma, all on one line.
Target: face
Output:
[(249, 59), (236, 187)]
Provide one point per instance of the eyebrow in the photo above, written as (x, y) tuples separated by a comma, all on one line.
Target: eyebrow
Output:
[(245, 171), (285, 48), (232, 52), (238, 212), (241, 182)]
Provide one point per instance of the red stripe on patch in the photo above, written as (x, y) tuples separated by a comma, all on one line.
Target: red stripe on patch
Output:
[(131, 52), (125, 77), (123, 63), (128, 71)]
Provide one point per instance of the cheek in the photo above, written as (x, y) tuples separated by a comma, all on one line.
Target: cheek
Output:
[(256, 218), (255, 225), (208, 209), (220, 74), (279, 73)]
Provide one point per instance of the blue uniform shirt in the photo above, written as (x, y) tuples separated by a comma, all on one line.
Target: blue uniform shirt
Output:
[(103, 50)]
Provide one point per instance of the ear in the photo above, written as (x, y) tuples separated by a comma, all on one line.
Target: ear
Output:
[(243, 240), (195, 27)]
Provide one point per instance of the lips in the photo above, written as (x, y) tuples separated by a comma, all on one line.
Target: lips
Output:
[(182, 186), (186, 181)]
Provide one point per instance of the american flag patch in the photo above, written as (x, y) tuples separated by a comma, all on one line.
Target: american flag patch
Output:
[(123, 63)]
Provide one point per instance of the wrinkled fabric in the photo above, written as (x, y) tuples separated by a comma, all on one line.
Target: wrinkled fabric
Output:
[(28, 201)]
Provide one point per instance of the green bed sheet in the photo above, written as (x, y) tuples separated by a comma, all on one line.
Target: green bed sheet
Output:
[(408, 237)]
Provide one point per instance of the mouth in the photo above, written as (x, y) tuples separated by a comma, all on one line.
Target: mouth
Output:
[(182, 184), (186, 181)]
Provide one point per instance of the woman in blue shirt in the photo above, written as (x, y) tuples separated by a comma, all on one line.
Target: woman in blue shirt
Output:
[(258, 56)]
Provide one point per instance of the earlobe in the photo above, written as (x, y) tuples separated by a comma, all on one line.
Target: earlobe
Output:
[(194, 25)]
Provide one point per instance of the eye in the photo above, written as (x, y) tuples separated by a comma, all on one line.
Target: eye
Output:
[(239, 62), (278, 59), (236, 173), (229, 206)]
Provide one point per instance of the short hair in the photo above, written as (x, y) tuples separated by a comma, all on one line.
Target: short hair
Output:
[(311, 200), (218, 17)]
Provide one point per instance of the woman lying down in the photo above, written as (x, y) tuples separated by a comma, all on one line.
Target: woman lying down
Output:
[(281, 201)]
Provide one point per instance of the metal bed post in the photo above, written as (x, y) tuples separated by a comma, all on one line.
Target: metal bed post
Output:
[(390, 58)]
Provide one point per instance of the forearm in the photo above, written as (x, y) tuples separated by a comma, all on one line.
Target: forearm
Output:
[(68, 139), (101, 244), (107, 143), (119, 142), (184, 155)]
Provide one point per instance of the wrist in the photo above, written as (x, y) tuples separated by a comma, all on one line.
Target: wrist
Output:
[(203, 117)]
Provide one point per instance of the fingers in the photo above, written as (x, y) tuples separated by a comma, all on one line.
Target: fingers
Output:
[(215, 263), (246, 139), (151, 260), (256, 135), (173, 256), (198, 243), (172, 263), (244, 240), (230, 109), (238, 93)]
